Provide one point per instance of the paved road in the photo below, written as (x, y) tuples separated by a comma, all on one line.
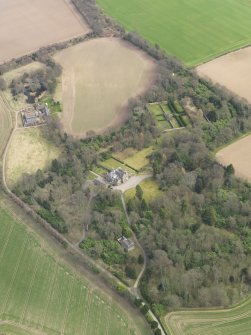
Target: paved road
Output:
[(131, 182)]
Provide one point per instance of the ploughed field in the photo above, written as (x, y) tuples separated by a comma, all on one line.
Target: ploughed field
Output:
[(39, 295), (25, 25), (194, 31), (99, 77), (238, 154), (232, 71), (234, 321)]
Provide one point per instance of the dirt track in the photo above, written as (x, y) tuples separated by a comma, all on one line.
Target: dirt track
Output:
[(232, 71), (238, 154), (26, 25)]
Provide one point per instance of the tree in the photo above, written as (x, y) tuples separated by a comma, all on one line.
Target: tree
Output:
[(139, 192), (157, 332), (3, 84), (230, 170)]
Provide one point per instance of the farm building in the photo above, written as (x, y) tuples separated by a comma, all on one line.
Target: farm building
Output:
[(117, 176), (126, 243), (29, 117), (34, 115)]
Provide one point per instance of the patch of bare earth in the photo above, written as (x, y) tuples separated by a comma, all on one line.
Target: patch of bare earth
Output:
[(238, 154), (26, 26), (99, 77), (232, 71)]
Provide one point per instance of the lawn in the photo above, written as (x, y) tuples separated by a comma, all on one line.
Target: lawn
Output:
[(28, 152), (139, 159), (234, 321), (150, 190), (194, 31), (112, 163), (160, 120), (40, 295)]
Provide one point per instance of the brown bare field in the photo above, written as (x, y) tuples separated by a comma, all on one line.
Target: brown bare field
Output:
[(238, 154), (26, 26), (232, 71), (28, 152), (99, 77)]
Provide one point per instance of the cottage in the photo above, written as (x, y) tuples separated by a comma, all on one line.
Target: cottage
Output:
[(117, 176), (126, 243)]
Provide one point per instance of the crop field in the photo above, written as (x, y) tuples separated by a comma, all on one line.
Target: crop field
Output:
[(28, 152), (26, 26), (5, 123), (232, 71), (194, 31), (39, 295), (233, 321), (238, 154), (95, 89)]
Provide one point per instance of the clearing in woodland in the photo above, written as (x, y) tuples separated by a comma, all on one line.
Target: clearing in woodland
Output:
[(232, 71), (237, 154), (99, 77), (41, 295), (28, 152), (26, 26), (233, 321), (194, 31)]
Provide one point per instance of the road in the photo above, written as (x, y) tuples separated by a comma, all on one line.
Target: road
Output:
[(132, 182)]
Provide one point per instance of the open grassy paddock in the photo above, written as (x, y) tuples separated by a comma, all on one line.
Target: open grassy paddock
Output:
[(136, 159), (99, 76), (26, 26), (28, 152), (194, 31), (18, 72), (40, 295), (150, 190), (233, 321)]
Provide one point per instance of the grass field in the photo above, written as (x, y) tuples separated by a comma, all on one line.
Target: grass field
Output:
[(136, 159), (234, 321), (95, 88), (194, 31), (40, 295), (28, 152), (17, 73), (5, 123), (27, 26), (112, 163), (150, 189)]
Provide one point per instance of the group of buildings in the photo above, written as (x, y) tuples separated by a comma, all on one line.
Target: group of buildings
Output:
[(34, 115)]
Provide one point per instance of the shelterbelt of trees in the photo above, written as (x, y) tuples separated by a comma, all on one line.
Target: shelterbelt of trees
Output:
[(197, 234)]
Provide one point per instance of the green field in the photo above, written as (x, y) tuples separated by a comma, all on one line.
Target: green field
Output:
[(194, 31), (234, 321), (150, 190), (5, 123), (40, 295)]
